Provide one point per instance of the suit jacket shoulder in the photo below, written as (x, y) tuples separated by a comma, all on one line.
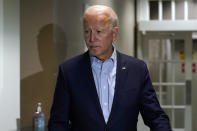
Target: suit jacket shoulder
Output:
[(131, 62), (75, 62)]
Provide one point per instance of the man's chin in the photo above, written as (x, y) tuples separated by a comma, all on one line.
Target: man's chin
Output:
[(93, 53)]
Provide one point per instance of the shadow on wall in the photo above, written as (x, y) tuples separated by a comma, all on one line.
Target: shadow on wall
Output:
[(40, 86)]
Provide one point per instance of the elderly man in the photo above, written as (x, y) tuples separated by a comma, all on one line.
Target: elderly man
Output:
[(102, 89)]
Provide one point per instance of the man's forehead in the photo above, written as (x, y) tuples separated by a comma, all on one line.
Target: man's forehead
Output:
[(97, 16)]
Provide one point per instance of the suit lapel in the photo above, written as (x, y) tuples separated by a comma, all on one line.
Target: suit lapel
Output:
[(121, 72), (92, 86)]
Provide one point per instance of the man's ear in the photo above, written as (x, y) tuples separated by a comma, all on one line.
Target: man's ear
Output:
[(115, 33)]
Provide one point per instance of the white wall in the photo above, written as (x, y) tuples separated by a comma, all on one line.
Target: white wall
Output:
[(1, 46), (37, 60), (9, 64), (126, 14)]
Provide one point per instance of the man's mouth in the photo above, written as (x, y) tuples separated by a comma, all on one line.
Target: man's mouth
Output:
[(94, 46)]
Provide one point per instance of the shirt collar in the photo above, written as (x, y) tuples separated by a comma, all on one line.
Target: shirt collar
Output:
[(114, 56)]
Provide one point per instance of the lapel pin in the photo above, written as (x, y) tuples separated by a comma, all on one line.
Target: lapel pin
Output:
[(123, 68)]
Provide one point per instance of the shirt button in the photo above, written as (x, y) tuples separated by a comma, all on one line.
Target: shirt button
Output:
[(105, 103), (104, 87)]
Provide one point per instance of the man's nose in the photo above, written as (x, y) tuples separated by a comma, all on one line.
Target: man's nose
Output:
[(92, 36)]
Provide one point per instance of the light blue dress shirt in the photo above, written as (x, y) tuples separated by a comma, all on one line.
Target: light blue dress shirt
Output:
[(105, 77)]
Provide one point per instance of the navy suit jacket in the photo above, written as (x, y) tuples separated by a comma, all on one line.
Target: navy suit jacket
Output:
[(76, 104)]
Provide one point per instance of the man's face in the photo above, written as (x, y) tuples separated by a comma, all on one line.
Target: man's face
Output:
[(99, 35)]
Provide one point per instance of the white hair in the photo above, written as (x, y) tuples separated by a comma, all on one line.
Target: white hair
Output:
[(113, 16)]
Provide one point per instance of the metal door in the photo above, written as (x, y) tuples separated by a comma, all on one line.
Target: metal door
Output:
[(169, 59)]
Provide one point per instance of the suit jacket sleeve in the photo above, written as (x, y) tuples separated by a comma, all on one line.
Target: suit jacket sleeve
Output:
[(152, 114), (59, 117)]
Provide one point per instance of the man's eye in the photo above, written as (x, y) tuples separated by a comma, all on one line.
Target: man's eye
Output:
[(98, 31), (86, 31)]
